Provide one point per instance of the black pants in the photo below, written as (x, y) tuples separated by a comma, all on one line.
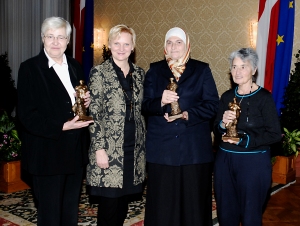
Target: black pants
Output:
[(179, 195), (57, 198), (112, 211)]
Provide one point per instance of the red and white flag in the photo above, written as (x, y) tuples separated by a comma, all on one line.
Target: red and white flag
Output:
[(267, 30), (78, 29)]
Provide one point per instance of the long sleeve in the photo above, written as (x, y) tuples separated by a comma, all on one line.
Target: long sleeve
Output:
[(258, 123), (152, 99), (35, 103), (180, 142), (97, 130)]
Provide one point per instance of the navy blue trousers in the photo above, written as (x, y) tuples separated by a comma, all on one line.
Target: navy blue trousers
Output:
[(241, 183)]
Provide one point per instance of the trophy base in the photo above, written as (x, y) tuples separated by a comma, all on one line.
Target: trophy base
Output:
[(83, 118), (236, 139), (173, 117)]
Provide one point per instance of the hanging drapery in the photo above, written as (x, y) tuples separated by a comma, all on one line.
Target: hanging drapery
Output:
[(20, 27)]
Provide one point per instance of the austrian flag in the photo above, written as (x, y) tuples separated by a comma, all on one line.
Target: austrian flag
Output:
[(275, 36)]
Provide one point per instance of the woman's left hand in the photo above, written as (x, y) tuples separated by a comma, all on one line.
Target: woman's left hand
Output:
[(185, 116), (230, 141), (75, 124), (87, 99)]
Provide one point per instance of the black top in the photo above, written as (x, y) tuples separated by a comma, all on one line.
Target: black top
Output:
[(258, 122)]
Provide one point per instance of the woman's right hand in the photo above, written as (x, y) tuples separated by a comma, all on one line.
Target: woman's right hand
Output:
[(228, 116), (74, 124), (102, 159), (168, 97)]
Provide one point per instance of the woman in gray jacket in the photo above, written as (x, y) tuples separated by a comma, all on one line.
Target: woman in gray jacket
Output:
[(116, 166)]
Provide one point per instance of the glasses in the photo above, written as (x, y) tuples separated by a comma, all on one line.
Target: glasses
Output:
[(51, 38)]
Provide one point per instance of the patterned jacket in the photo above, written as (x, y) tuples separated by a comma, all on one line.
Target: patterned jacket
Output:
[(108, 109)]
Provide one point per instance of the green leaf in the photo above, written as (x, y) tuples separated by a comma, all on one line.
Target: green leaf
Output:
[(14, 133), (293, 147)]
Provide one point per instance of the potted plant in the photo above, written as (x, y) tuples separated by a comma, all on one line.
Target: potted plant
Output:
[(105, 53), (10, 143), (290, 142), (10, 154), (8, 91), (284, 165), (290, 113)]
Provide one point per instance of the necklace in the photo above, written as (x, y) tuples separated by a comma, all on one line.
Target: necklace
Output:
[(127, 97), (248, 104), (244, 95)]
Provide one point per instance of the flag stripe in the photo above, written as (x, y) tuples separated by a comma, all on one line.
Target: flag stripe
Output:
[(262, 4), (78, 29), (88, 53), (265, 9), (271, 48)]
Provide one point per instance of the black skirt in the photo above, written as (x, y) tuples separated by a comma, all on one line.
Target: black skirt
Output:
[(179, 195)]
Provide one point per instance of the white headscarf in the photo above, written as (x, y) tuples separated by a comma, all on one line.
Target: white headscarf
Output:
[(178, 66)]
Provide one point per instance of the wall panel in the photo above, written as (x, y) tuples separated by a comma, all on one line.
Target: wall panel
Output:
[(216, 28)]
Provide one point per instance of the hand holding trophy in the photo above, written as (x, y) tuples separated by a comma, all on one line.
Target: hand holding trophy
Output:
[(175, 109), (232, 133), (79, 108)]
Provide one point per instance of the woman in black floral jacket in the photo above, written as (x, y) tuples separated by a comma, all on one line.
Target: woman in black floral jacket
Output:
[(116, 166)]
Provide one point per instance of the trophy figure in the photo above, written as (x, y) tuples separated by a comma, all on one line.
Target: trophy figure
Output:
[(79, 108), (175, 109), (232, 133)]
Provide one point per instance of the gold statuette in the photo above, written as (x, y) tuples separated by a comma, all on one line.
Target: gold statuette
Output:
[(175, 109), (232, 133), (79, 108)]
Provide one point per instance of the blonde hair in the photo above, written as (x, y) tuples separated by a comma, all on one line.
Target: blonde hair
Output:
[(118, 29)]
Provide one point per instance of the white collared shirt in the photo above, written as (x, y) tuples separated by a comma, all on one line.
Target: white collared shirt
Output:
[(63, 73)]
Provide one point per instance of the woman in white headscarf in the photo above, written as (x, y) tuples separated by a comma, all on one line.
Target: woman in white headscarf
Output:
[(179, 151)]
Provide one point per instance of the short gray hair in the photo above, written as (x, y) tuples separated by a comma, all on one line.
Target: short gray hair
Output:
[(56, 23), (245, 54), (118, 29)]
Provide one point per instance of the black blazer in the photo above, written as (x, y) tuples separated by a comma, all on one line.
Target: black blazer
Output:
[(43, 107), (180, 142)]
